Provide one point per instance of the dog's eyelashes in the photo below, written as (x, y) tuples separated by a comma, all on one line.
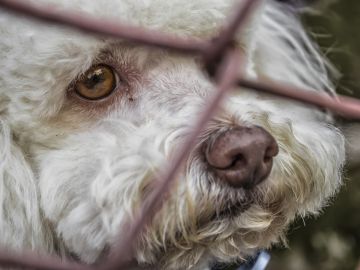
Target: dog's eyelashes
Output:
[(97, 83)]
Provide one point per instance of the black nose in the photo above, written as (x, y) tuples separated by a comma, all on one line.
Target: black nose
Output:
[(243, 156)]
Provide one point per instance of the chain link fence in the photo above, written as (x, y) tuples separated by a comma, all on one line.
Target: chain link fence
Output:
[(221, 62)]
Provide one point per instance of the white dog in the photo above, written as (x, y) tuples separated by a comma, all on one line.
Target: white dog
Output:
[(87, 123)]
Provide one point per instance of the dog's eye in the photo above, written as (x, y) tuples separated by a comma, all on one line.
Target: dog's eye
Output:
[(97, 83)]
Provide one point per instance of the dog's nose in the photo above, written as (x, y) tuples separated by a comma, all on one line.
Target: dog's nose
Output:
[(242, 157)]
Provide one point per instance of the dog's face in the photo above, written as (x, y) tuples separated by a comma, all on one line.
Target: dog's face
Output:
[(97, 120)]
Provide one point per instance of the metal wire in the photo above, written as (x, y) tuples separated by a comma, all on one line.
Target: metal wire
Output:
[(221, 61)]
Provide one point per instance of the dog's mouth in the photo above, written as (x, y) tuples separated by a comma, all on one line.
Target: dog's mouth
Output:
[(232, 209)]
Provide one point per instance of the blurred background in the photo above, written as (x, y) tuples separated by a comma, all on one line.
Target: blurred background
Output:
[(332, 240)]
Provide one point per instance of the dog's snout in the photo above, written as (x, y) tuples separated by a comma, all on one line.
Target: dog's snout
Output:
[(242, 157)]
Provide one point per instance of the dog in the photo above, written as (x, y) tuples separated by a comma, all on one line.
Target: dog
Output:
[(88, 122)]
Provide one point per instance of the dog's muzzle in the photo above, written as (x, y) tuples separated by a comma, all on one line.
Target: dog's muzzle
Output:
[(243, 156)]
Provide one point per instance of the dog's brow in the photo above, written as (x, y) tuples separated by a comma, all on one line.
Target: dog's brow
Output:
[(221, 62)]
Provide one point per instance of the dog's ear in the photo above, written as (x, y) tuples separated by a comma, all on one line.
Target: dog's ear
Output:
[(20, 218), (282, 50)]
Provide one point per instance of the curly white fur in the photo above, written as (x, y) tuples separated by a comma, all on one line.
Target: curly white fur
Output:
[(72, 173)]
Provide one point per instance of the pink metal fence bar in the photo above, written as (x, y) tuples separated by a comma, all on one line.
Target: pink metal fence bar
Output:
[(51, 14), (342, 105), (221, 61)]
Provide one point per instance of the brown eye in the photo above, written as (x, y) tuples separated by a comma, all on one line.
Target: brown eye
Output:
[(97, 83)]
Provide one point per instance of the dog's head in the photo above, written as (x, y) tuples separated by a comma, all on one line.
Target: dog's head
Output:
[(87, 123)]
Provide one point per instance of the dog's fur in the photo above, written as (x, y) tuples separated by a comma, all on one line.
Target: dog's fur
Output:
[(73, 172)]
